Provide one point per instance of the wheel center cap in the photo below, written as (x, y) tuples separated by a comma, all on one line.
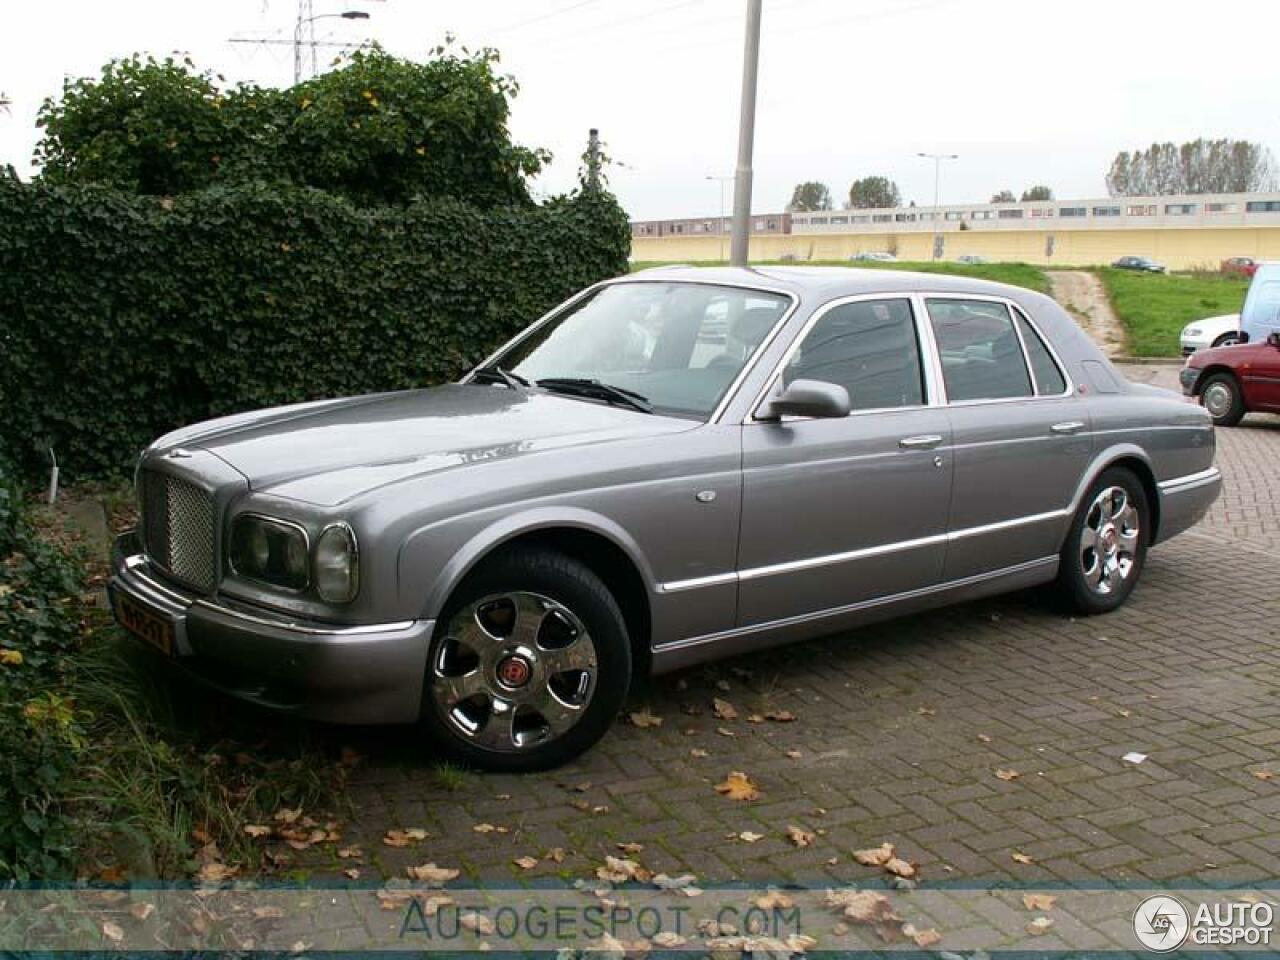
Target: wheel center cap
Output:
[(1109, 539), (514, 671)]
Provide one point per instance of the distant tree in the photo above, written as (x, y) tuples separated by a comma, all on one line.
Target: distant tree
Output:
[(871, 192), (1199, 166), (1004, 196), (1037, 194), (810, 195)]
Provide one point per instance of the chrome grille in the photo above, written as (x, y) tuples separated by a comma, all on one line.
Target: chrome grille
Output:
[(178, 528)]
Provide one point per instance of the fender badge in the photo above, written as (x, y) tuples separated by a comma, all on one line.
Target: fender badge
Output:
[(705, 496), (178, 454)]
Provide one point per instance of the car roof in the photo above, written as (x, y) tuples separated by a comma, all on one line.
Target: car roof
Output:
[(826, 282)]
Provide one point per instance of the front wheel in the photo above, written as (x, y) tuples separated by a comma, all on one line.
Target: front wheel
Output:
[(1220, 395), (1228, 340), (1107, 547), (529, 665)]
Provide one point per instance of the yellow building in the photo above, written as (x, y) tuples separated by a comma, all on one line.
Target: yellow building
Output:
[(1182, 232)]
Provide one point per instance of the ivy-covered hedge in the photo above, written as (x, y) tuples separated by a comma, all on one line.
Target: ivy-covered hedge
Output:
[(122, 316)]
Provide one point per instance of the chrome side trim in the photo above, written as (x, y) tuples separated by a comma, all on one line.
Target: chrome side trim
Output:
[(1190, 481), (856, 607), (809, 563)]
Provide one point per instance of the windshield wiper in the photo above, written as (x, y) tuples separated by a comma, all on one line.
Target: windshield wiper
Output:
[(495, 374), (602, 391)]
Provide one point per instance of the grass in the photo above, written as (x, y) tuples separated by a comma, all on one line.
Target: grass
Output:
[(1155, 307), (1017, 274)]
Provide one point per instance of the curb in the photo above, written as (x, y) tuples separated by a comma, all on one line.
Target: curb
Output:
[(1151, 361)]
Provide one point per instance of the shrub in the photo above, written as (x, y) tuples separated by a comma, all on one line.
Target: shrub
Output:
[(126, 316)]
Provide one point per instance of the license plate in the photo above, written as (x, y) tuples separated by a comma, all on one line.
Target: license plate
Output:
[(147, 626)]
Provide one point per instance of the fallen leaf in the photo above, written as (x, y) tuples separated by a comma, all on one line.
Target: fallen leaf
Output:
[(1023, 858), (698, 752), (984, 738), (1038, 901), (644, 719), (922, 938), (725, 732), (1263, 774), (489, 828), (1004, 774), (477, 923), (113, 931), (794, 754), (555, 855), (1039, 926), (738, 786), (620, 870), (140, 911), (256, 830), (926, 711), (268, 913), (430, 873), (352, 873), (681, 884), (287, 814), (299, 946), (216, 872), (863, 906), (900, 868), (774, 900), (755, 718), (402, 838), (746, 836), (525, 863), (799, 836), (724, 710), (631, 847), (876, 856), (350, 853), (1126, 713), (781, 716), (12, 658), (669, 939)]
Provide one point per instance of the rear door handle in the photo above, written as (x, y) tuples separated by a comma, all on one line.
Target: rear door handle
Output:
[(925, 442), (1068, 427)]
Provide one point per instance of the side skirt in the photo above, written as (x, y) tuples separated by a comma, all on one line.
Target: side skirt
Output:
[(759, 636)]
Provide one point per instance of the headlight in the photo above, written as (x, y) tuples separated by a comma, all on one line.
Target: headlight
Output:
[(337, 564), (272, 551), (1191, 332)]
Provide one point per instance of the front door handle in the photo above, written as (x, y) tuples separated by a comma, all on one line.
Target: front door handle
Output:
[(1068, 427), (925, 442)]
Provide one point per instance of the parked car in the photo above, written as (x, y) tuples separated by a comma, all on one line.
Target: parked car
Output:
[(877, 255), (1233, 381), (498, 558), (1243, 266), (971, 258), (1142, 264), (1220, 331)]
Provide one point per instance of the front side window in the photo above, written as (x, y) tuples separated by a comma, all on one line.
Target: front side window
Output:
[(677, 345), (981, 356), (870, 348)]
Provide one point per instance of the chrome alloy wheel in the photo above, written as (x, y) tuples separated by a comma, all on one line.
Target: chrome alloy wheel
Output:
[(1218, 398), (513, 670), (1109, 540)]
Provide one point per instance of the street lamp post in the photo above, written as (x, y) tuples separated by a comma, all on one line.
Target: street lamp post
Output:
[(740, 246), (303, 21), (720, 223), (937, 159)]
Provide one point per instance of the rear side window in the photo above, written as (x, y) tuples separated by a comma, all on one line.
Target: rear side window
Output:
[(1049, 379), (869, 348), (981, 356)]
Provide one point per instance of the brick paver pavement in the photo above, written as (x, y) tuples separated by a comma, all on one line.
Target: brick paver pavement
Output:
[(901, 728)]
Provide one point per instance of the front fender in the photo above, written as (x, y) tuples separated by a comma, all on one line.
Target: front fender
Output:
[(475, 545)]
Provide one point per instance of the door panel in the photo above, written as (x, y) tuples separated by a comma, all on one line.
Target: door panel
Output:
[(830, 508)]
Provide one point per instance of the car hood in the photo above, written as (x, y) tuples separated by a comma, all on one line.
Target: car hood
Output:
[(329, 452), (1227, 321)]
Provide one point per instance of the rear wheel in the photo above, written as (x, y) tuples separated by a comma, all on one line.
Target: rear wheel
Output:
[(1107, 547), (1221, 396), (529, 665)]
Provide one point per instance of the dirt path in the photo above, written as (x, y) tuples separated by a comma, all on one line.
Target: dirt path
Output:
[(1085, 298)]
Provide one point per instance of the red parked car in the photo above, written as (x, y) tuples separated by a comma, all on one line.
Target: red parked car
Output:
[(1243, 266), (1232, 381)]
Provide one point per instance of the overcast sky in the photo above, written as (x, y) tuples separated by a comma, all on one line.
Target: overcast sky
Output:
[(1026, 91)]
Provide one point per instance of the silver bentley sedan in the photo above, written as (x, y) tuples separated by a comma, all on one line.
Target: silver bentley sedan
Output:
[(670, 467)]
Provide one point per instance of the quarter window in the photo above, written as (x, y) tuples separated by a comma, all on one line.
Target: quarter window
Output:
[(870, 348), (1049, 379), (981, 356)]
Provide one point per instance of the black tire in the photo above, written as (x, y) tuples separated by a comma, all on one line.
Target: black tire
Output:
[(1227, 340), (535, 578), (1076, 589), (1220, 394)]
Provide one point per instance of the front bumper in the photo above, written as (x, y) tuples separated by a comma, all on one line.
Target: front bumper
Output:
[(363, 674), (1188, 376)]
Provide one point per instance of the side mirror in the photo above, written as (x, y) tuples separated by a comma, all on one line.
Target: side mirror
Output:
[(1274, 340), (807, 398)]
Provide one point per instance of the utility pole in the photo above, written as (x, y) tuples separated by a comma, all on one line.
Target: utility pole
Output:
[(937, 159), (739, 248), (593, 159), (720, 231)]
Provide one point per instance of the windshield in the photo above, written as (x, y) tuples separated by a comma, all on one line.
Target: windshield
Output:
[(678, 345)]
